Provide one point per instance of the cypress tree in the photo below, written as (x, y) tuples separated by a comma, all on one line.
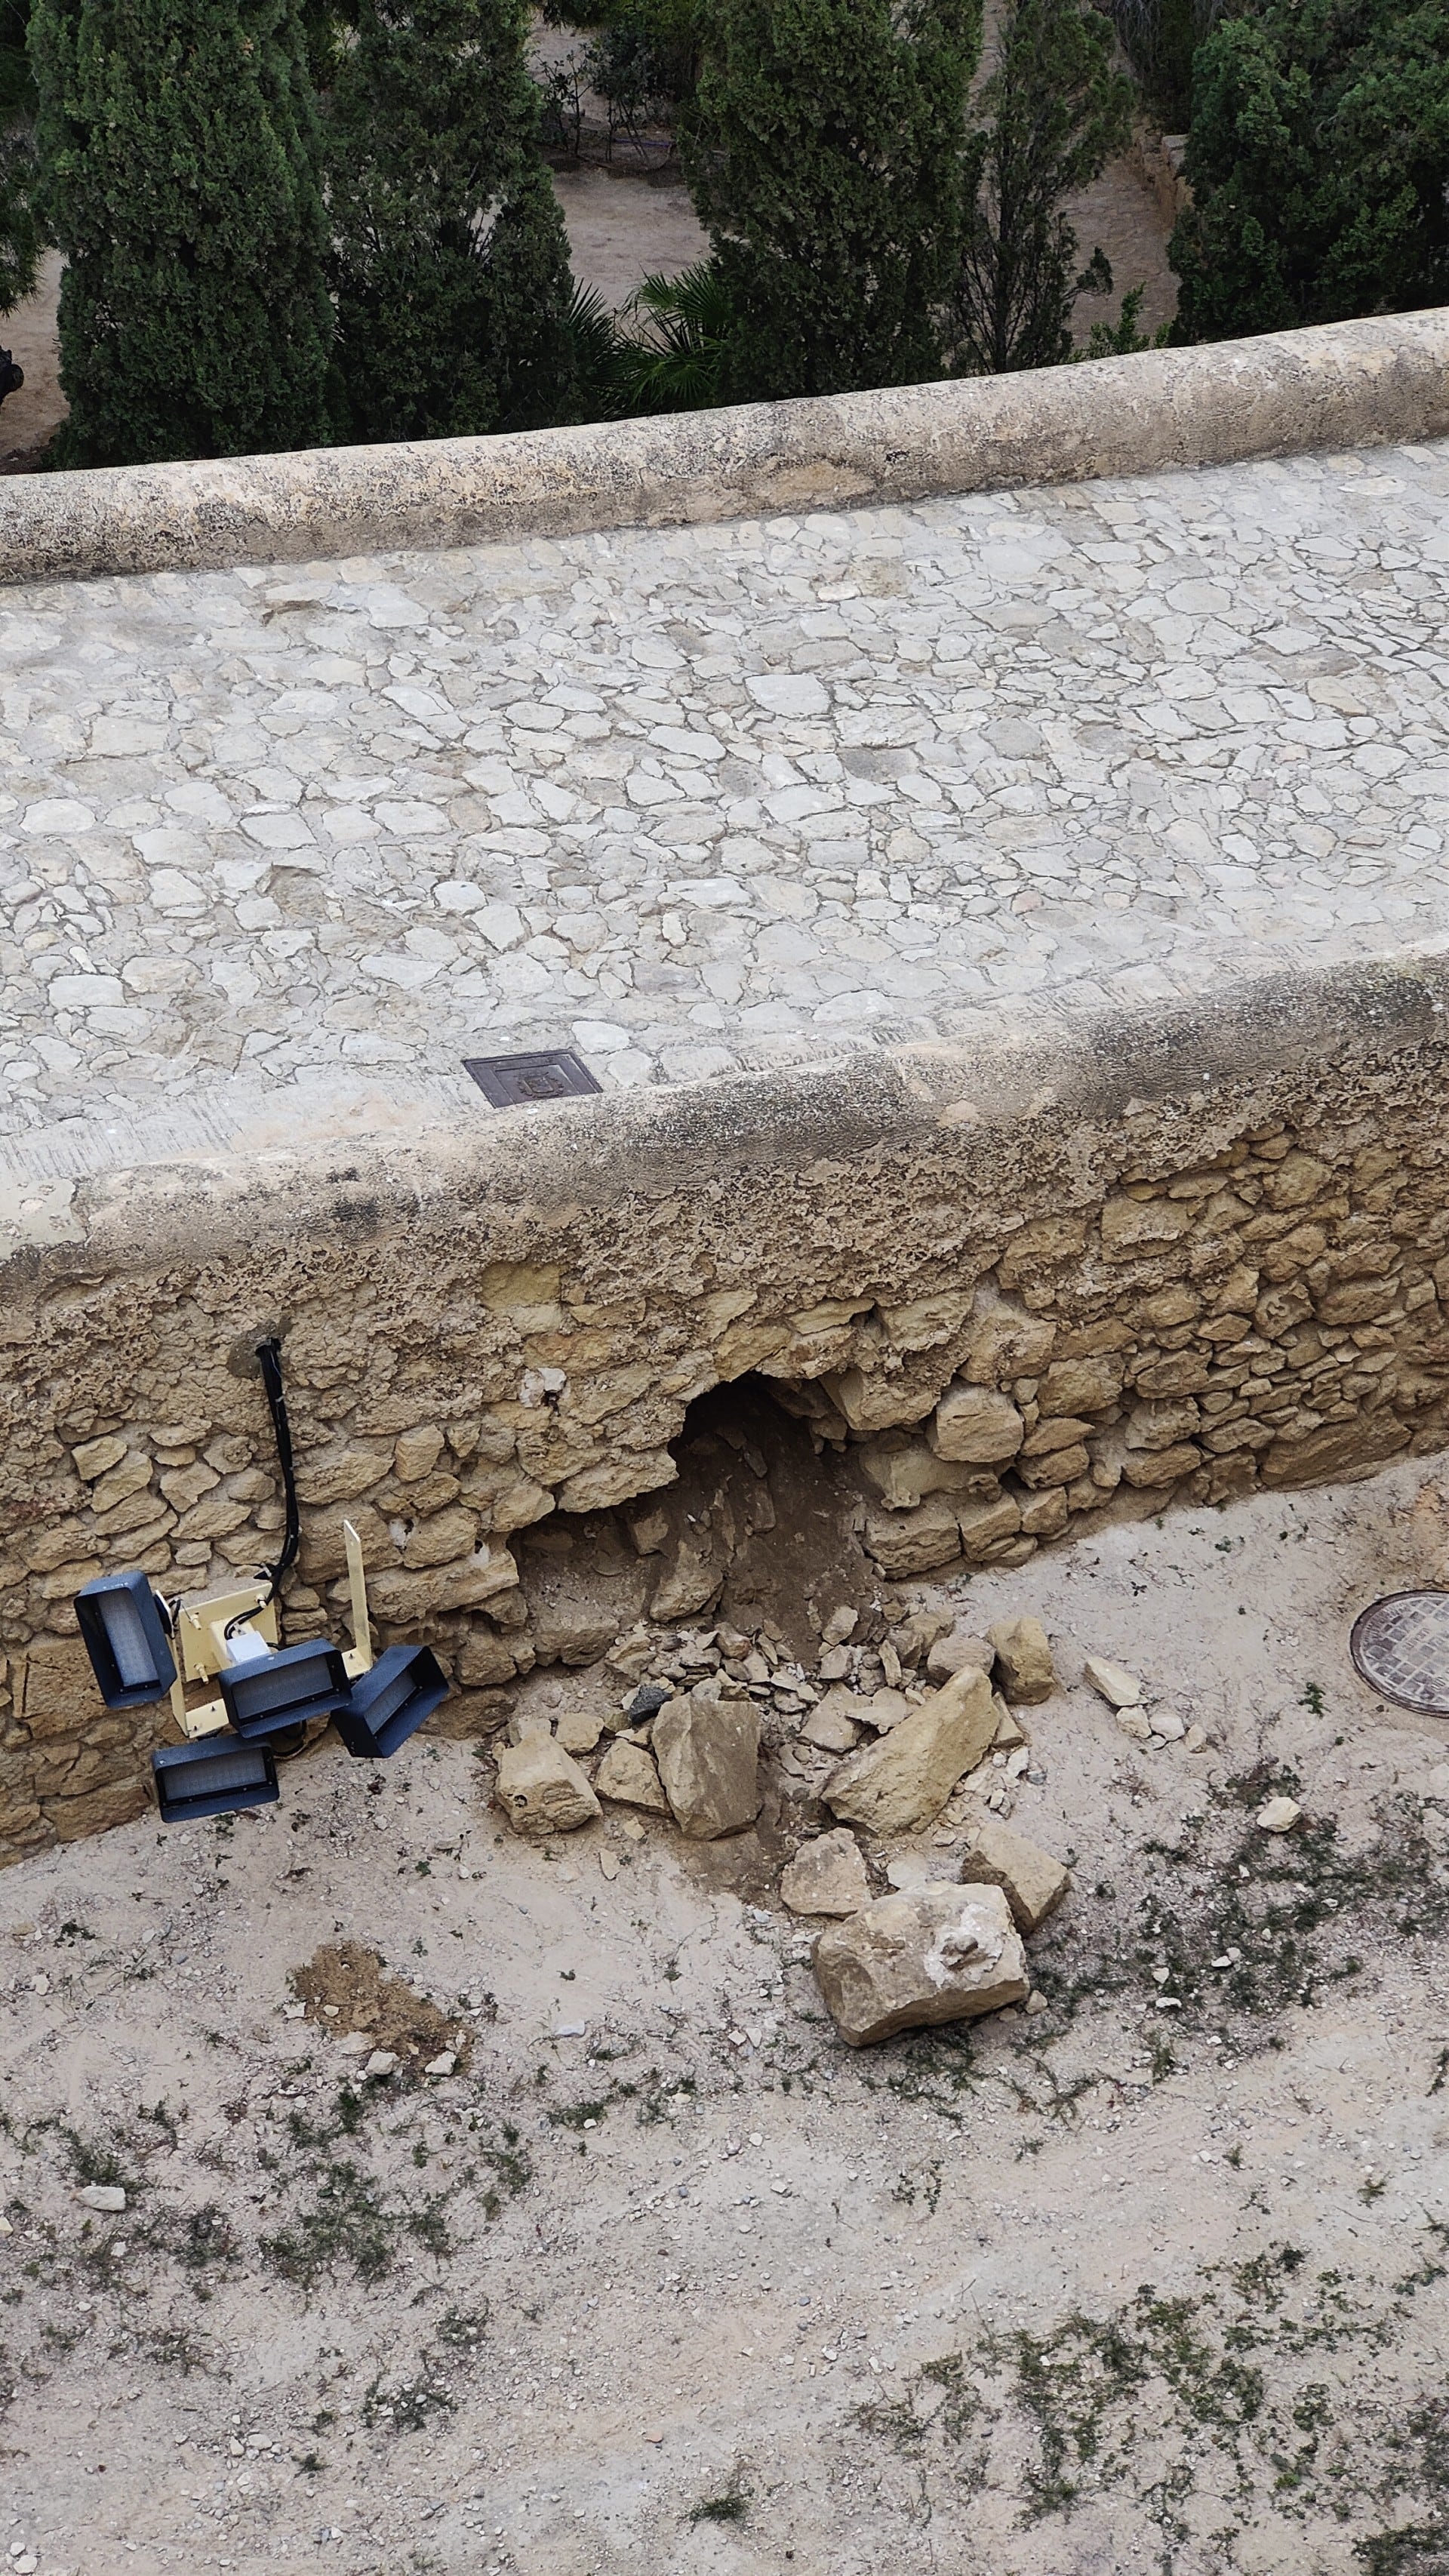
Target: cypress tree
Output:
[(450, 257), (179, 146), (825, 154), (1319, 160)]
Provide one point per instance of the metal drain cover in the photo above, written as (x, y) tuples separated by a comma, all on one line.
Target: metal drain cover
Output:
[(1401, 1647), (510, 1081)]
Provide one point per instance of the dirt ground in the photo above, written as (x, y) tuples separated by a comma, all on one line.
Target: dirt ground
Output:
[(30, 419), (665, 2277)]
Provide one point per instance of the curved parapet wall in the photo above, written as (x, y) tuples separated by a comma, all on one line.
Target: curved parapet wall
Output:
[(1165, 1256), (1348, 384)]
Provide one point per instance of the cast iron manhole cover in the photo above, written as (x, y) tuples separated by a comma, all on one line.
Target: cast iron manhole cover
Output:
[(511, 1080), (1401, 1647)]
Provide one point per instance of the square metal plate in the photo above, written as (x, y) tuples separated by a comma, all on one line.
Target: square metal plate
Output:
[(511, 1081)]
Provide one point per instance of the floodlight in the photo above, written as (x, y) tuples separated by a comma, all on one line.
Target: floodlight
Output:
[(265, 1697), (217, 1777), (388, 1704), (125, 1636)]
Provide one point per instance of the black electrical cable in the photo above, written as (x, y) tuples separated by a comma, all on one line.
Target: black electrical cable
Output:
[(270, 1356)]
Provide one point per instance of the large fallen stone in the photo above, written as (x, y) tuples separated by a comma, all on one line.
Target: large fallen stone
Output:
[(542, 1790), (1118, 1687), (934, 1953), (708, 1750), (1023, 1660), (952, 1654), (904, 1779), (1032, 1880), (628, 1776), (827, 1877)]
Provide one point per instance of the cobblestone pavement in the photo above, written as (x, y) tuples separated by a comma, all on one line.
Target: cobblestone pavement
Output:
[(714, 798)]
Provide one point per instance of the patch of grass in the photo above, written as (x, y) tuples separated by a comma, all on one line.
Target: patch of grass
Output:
[(347, 2223), (732, 2506)]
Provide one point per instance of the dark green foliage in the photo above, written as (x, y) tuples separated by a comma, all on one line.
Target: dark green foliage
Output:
[(660, 37), (674, 359), (1052, 114), (179, 146), (826, 154), (1319, 160), (450, 258), (1161, 37), (1122, 339), (19, 231)]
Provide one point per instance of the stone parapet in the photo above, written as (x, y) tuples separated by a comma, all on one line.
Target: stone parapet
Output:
[(1160, 1257), (1346, 384)]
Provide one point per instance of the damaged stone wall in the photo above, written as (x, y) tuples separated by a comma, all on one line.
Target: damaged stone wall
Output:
[(1164, 1260)]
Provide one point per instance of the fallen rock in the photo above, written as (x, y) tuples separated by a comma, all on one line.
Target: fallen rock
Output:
[(524, 1724), (902, 1781), (628, 1775), (1008, 1733), (443, 2064), (691, 1583), (1166, 1723), (932, 1954), (831, 1730), (1134, 1722), (1032, 1881), (916, 1542), (953, 1654), (1023, 1660), (579, 1730), (1119, 1687), (1279, 1816), (826, 1877), (840, 1626), (542, 1790), (883, 1710), (708, 1750), (383, 2061), (923, 1869), (106, 2196)]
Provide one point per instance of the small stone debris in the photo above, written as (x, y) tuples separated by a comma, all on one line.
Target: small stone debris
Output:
[(1024, 1666), (647, 1701), (930, 1955), (443, 2064), (1032, 1880), (542, 1790), (105, 2196), (1167, 1725), (358, 2043), (1135, 1722), (609, 1864), (707, 1745), (1279, 1816), (1118, 1687), (827, 1876), (628, 1774), (382, 2062), (830, 1730), (902, 1782), (840, 1627), (951, 1654)]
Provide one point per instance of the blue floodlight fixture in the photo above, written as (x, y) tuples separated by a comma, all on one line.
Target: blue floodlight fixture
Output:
[(267, 1694), (389, 1703), (124, 1629), (218, 1776)]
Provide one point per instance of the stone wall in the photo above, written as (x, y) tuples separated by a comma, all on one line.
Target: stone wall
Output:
[(1346, 384), (1149, 1260)]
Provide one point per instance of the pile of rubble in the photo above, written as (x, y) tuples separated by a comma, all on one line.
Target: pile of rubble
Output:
[(919, 1730)]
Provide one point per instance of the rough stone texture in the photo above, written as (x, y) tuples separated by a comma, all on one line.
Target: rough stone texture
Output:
[(708, 1750), (542, 1790), (628, 1775), (901, 1782), (826, 1876), (931, 1954), (1032, 1881), (1023, 1657), (1353, 381), (1118, 1687)]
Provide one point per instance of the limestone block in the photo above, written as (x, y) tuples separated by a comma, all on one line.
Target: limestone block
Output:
[(1031, 1880), (1007, 1343), (542, 1790), (1118, 1687), (62, 1543), (1161, 1426), (904, 1472), (1057, 1467), (1148, 1468), (96, 1457), (1135, 1229), (568, 1628), (1340, 1449), (986, 1527), (935, 1953), (914, 1542), (486, 1661), (976, 1423), (827, 1876), (959, 1652), (1080, 1386), (57, 1695), (95, 1813), (401, 1596), (691, 1580), (607, 1481), (829, 1728), (877, 1402), (904, 1779), (324, 1549), (1295, 1181), (342, 1476), (440, 1539), (579, 1729), (417, 1453), (1043, 1514), (628, 1774), (1024, 1666), (130, 1476), (708, 1748)]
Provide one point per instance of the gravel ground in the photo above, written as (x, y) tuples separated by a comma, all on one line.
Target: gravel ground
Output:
[(662, 2275)]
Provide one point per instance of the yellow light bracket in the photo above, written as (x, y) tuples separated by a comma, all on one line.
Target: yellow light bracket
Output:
[(203, 1651)]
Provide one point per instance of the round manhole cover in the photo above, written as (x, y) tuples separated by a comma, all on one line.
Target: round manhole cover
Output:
[(1401, 1647)]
